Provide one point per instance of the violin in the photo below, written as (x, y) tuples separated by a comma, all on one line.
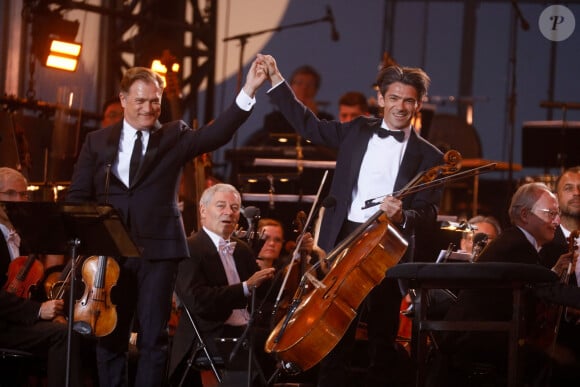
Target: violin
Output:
[(317, 320), (94, 313), (24, 274)]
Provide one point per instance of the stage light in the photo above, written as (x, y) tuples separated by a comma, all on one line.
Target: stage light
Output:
[(53, 40), (161, 69), (63, 55)]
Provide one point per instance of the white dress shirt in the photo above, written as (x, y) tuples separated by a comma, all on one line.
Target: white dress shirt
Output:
[(378, 173), (238, 317)]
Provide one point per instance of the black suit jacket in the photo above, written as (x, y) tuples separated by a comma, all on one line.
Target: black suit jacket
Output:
[(351, 140), (149, 205), (202, 286), (551, 251)]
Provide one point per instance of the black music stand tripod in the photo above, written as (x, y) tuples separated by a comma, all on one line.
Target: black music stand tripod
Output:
[(70, 228)]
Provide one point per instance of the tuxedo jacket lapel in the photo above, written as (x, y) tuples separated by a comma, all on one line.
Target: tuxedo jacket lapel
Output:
[(411, 161)]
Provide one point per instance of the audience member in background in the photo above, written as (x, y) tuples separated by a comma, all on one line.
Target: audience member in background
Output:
[(351, 105)]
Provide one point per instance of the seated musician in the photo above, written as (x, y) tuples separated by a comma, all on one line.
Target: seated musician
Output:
[(26, 324), (487, 225), (216, 282), (535, 216), (565, 372)]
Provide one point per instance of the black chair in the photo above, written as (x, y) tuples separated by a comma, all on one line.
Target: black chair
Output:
[(17, 366), (200, 358)]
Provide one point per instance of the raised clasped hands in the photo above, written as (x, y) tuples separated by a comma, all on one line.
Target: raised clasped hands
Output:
[(257, 75), (271, 68)]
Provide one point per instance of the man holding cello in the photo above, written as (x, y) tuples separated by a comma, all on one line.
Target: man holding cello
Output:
[(376, 158)]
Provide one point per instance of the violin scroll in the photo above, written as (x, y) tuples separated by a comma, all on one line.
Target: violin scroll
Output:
[(452, 159)]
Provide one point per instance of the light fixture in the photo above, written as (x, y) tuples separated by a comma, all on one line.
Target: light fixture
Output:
[(63, 55), (53, 39), (161, 69)]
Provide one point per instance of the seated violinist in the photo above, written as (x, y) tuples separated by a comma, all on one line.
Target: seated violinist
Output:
[(26, 324), (215, 283), (535, 216), (271, 255), (565, 372)]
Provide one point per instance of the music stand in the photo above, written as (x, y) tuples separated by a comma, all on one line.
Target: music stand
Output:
[(73, 228), (550, 144)]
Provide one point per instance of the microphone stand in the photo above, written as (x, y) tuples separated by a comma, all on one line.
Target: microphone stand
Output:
[(73, 245), (513, 93), (243, 38)]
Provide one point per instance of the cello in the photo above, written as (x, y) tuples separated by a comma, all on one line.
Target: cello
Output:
[(316, 321)]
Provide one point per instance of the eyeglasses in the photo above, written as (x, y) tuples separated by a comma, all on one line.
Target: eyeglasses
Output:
[(13, 194), (551, 213)]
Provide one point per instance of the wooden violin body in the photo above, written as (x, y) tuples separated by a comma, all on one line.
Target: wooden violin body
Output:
[(94, 312), (323, 316), (24, 273)]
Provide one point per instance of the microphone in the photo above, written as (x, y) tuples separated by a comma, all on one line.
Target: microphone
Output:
[(255, 240), (257, 243), (330, 17), (252, 214)]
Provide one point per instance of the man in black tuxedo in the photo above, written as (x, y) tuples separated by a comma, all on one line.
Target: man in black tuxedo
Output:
[(214, 284), (376, 157), (135, 166)]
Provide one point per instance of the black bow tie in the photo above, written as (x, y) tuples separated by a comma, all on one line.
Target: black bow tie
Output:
[(399, 135)]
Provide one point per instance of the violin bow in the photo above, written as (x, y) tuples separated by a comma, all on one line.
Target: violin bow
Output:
[(296, 254)]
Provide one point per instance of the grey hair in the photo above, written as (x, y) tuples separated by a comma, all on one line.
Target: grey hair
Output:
[(208, 194), (525, 197)]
